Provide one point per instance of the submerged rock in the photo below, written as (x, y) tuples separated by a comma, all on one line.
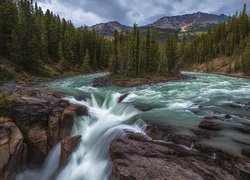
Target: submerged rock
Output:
[(210, 125), (67, 147), (122, 97)]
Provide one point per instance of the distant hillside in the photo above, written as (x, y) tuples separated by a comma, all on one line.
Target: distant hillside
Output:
[(108, 29), (190, 22)]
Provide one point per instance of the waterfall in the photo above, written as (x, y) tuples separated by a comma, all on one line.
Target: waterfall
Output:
[(107, 121)]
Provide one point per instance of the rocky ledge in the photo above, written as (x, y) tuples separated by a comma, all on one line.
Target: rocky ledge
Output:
[(40, 119), (166, 155)]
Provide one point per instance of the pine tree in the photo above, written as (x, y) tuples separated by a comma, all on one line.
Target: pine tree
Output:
[(28, 55), (147, 51), (8, 25), (115, 61), (246, 59), (86, 63)]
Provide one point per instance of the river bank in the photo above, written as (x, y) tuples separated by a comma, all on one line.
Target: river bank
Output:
[(37, 120)]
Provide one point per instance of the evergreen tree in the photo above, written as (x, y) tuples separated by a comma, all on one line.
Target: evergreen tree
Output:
[(8, 26), (86, 63), (246, 59)]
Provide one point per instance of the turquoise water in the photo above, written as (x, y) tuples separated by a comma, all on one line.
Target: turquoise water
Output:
[(181, 104)]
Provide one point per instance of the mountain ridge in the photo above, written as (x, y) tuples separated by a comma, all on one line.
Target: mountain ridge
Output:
[(198, 21)]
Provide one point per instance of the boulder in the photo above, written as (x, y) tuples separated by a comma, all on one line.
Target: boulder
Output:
[(12, 148), (67, 147), (210, 125), (228, 116), (101, 82), (122, 97), (141, 158)]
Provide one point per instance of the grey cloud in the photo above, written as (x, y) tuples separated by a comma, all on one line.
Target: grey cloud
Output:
[(142, 12)]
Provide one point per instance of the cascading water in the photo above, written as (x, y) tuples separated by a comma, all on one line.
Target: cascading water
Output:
[(107, 121), (181, 104)]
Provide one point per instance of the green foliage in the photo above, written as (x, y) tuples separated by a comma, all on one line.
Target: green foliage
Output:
[(135, 57), (5, 105), (224, 40), (86, 63), (246, 59), (5, 75), (31, 39)]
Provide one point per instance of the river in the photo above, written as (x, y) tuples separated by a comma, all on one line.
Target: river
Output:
[(181, 104)]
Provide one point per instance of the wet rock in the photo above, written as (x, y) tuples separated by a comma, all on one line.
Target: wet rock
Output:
[(237, 105), (122, 97), (227, 116), (243, 129), (67, 147), (147, 107), (246, 152), (101, 82), (12, 149), (141, 158), (146, 160), (200, 133), (242, 171), (208, 171), (211, 118), (159, 132), (210, 125), (45, 119)]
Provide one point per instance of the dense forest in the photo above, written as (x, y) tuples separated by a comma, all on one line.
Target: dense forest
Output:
[(135, 57), (34, 41), (229, 39), (43, 44)]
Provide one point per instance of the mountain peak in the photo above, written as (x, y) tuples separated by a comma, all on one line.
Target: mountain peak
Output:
[(189, 22), (108, 29)]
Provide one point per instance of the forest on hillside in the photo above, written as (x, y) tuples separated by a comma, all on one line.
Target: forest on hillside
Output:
[(41, 43), (135, 57), (31, 40)]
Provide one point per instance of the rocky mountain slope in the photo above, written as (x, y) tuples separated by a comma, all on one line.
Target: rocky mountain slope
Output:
[(189, 22), (166, 25), (108, 29)]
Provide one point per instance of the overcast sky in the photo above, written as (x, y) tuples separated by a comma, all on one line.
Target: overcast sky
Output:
[(90, 12)]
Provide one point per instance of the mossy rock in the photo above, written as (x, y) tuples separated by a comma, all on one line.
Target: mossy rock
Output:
[(5, 105)]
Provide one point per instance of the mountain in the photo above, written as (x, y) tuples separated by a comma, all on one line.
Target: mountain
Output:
[(168, 25), (189, 22), (108, 29)]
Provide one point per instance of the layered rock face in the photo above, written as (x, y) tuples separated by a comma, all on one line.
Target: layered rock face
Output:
[(12, 149), (166, 155), (40, 119), (67, 147)]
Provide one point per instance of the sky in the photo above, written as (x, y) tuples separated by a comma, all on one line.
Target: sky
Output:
[(141, 12)]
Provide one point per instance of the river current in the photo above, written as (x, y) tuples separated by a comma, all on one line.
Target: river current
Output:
[(180, 104)]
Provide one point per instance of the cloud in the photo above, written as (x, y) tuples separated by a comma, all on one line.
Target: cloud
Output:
[(90, 12)]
